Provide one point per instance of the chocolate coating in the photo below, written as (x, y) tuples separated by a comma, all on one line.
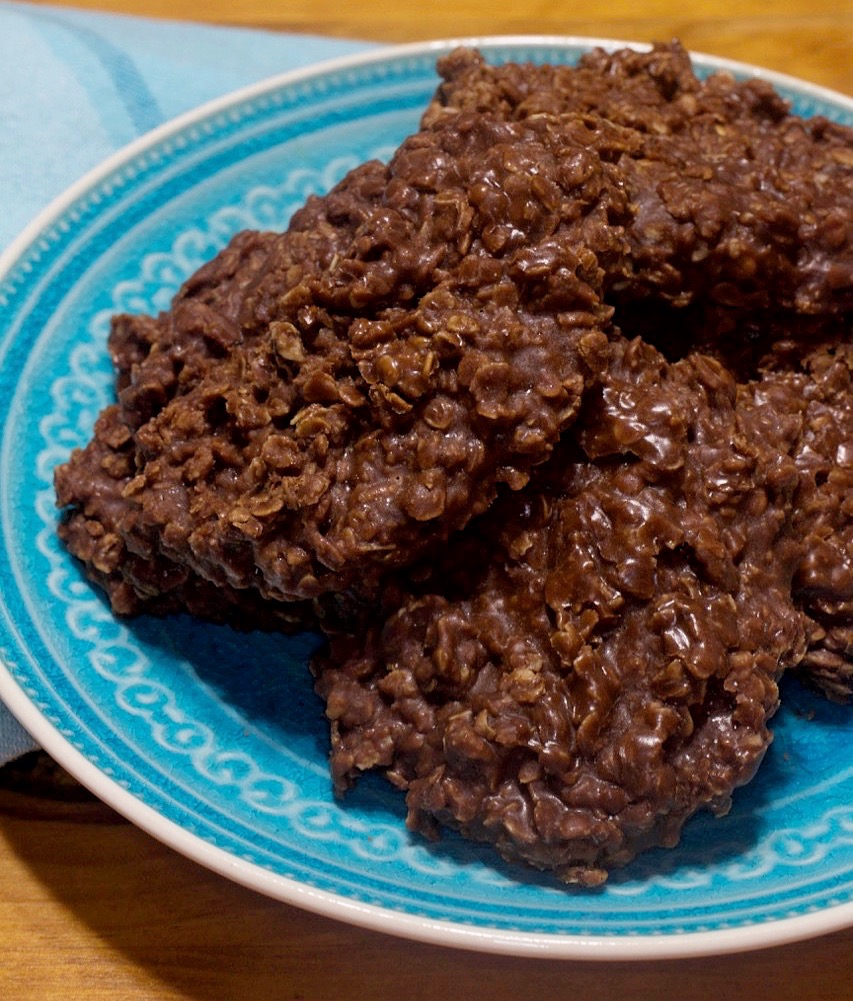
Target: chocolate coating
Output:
[(547, 422), (614, 666), (736, 201), (310, 414)]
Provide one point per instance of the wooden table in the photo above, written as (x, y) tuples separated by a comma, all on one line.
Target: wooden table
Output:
[(812, 39), (92, 908)]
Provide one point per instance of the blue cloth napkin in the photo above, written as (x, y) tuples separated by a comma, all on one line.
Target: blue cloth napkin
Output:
[(76, 86)]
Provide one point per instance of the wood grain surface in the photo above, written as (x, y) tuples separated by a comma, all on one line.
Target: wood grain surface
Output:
[(812, 39), (93, 908)]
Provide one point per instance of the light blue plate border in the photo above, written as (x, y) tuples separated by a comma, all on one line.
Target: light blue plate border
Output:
[(214, 742)]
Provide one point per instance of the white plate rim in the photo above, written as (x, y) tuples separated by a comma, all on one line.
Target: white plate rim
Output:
[(326, 903)]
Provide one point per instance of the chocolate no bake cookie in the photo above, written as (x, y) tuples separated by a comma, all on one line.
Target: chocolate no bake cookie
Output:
[(547, 422), (306, 425), (609, 663), (736, 201)]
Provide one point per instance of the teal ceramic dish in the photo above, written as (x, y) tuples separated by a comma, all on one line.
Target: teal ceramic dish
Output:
[(214, 742)]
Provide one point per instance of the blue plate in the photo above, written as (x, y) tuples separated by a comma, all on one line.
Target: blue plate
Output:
[(214, 742)]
